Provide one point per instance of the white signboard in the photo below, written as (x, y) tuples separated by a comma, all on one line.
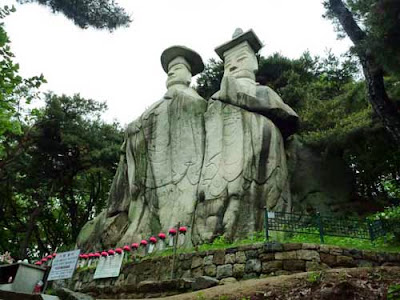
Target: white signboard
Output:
[(64, 265), (271, 215), (109, 266)]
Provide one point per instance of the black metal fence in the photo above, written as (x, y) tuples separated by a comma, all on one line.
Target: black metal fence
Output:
[(323, 225)]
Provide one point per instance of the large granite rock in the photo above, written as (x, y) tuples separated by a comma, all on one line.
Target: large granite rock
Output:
[(244, 171), (318, 182), (211, 165)]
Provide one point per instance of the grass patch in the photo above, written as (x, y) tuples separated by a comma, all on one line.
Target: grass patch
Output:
[(391, 244), (394, 292)]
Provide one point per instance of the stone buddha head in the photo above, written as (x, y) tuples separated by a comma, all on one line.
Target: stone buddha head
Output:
[(180, 63), (179, 72), (240, 62)]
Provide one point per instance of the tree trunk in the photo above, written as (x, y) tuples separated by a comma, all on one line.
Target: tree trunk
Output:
[(28, 233), (377, 96)]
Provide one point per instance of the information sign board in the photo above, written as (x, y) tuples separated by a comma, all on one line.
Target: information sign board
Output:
[(64, 265), (109, 266)]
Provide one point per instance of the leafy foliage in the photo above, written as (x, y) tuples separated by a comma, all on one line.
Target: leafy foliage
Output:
[(99, 14), (393, 292), (14, 90), (61, 180), (391, 218), (379, 19), (210, 79)]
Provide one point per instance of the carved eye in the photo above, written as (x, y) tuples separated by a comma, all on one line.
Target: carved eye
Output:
[(241, 58)]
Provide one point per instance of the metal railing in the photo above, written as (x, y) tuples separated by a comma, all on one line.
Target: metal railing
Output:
[(323, 225)]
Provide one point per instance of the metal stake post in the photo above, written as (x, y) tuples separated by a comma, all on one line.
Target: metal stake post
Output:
[(266, 225), (321, 228), (175, 248)]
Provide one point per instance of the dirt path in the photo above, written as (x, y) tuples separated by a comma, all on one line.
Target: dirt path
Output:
[(346, 284)]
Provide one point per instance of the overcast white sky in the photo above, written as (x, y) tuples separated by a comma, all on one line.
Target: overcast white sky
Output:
[(124, 67)]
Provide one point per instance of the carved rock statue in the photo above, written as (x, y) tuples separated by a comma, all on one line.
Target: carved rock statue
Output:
[(211, 165), (244, 167)]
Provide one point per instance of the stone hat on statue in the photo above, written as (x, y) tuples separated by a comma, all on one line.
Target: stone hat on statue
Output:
[(194, 60), (238, 37)]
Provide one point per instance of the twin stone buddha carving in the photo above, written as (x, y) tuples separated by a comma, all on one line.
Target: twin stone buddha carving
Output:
[(213, 165)]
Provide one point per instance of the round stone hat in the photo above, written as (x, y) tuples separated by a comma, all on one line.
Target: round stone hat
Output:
[(192, 57)]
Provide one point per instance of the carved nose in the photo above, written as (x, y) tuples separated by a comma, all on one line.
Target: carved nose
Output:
[(232, 69)]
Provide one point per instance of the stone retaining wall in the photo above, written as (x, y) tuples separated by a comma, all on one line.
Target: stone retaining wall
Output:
[(152, 276)]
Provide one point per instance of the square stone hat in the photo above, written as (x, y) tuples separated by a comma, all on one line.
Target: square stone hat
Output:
[(238, 37), (191, 56)]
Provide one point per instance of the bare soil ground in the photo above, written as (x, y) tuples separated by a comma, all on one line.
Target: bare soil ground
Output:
[(337, 284)]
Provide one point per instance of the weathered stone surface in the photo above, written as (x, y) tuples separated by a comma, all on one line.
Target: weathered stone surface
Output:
[(272, 266), (357, 254), (315, 266), (294, 265), (364, 263), (210, 270), (238, 270), (323, 182), (66, 294), (210, 164), (197, 261), (282, 272), (224, 271), (292, 246), (228, 165), (185, 264), (148, 286), (334, 250), (273, 247), (197, 272), (328, 259), (219, 257), (250, 276), (228, 280), (286, 255), (324, 248), (230, 258), (251, 254), (308, 255), (253, 265), (370, 255), (345, 261), (240, 257), (267, 256), (208, 260), (204, 282), (310, 246)]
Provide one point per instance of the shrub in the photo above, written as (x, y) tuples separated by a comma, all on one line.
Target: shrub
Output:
[(390, 218)]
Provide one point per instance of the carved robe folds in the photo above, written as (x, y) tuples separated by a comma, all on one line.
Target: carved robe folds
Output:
[(244, 167), (213, 166)]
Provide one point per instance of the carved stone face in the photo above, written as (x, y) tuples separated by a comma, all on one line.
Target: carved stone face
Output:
[(240, 62), (178, 72)]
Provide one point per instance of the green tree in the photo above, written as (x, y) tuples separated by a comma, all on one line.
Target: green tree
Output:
[(15, 91), (89, 13), (61, 181), (372, 25)]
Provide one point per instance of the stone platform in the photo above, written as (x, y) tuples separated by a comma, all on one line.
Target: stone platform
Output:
[(151, 277)]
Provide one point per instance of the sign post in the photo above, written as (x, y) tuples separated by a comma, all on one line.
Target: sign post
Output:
[(64, 265), (109, 266)]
